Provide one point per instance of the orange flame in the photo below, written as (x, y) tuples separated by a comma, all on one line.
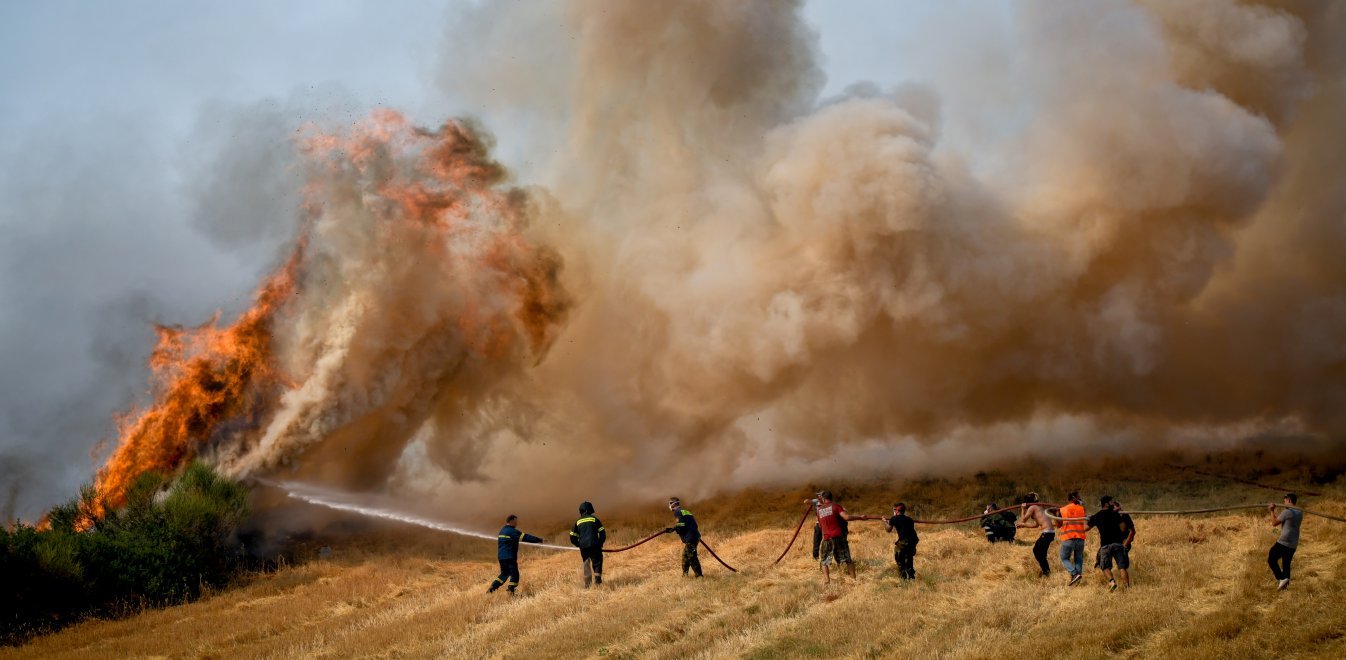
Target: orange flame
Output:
[(203, 376)]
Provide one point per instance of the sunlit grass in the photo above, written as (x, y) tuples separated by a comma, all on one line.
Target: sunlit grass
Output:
[(1202, 589)]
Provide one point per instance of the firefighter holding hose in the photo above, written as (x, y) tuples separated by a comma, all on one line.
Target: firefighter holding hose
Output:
[(688, 533), (589, 535), (507, 553)]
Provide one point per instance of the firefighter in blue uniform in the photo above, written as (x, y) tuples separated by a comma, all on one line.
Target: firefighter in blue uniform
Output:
[(690, 535), (508, 554), (589, 535)]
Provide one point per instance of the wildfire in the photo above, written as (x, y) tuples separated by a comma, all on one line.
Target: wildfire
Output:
[(407, 196), (204, 376)]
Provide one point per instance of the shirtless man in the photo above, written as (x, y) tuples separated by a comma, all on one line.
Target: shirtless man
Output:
[(1035, 515)]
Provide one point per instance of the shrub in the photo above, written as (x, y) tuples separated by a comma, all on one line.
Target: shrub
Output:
[(169, 540)]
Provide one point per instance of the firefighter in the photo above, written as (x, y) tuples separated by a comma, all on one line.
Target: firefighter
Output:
[(690, 535), (589, 535), (508, 554), (998, 526)]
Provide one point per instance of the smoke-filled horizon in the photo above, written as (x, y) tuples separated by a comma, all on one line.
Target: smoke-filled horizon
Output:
[(1119, 232)]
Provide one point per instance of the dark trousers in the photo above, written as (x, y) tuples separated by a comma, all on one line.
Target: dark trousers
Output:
[(690, 560), (905, 556), (593, 564), (1279, 560), (1040, 548), (509, 575)]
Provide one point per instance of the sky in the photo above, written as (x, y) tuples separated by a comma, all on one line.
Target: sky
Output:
[(114, 118)]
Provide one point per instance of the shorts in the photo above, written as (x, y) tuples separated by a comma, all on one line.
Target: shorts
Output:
[(835, 551), (1115, 551)]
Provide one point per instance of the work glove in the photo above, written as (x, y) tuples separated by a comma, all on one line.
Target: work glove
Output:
[(668, 530)]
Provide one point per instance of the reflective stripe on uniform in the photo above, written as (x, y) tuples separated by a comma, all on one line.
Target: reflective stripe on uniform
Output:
[(581, 521)]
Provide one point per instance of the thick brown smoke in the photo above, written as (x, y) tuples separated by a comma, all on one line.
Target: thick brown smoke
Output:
[(768, 286)]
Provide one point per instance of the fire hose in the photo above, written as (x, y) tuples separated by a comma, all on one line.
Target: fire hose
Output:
[(656, 535), (791, 544), (1047, 505), (1179, 512), (643, 541)]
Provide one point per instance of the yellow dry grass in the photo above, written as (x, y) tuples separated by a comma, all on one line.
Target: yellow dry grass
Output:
[(1202, 589)]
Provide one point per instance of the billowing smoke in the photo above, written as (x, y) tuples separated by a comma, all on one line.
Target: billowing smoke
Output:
[(768, 280), (765, 282)]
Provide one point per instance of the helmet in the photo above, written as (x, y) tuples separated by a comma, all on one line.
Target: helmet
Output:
[(586, 509)]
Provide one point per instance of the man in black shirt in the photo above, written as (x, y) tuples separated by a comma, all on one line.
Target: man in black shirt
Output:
[(1112, 535), (904, 552), (1130, 526)]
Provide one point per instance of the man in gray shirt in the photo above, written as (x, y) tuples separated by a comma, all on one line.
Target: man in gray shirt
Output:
[(1284, 549)]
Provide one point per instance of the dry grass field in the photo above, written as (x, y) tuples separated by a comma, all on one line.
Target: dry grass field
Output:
[(1201, 589)]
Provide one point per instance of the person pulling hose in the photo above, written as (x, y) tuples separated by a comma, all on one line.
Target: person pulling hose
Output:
[(689, 534)]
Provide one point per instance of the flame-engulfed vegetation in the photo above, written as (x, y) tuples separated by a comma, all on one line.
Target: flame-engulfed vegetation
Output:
[(203, 376), (167, 541)]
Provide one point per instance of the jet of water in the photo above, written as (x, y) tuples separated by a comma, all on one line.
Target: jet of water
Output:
[(339, 502)]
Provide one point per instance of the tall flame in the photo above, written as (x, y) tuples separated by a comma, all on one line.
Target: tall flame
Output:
[(204, 376), (409, 260)]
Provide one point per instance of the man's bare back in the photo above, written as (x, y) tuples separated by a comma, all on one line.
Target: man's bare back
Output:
[(1038, 515)]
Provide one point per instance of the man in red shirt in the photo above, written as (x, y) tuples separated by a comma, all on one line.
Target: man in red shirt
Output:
[(835, 549)]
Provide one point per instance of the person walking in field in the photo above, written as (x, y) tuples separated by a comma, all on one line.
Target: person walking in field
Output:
[(688, 533), (1035, 516), (507, 552), (1111, 539), (835, 549), (589, 535), (1283, 550), (1072, 526), (904, 550), (1130, 527)]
